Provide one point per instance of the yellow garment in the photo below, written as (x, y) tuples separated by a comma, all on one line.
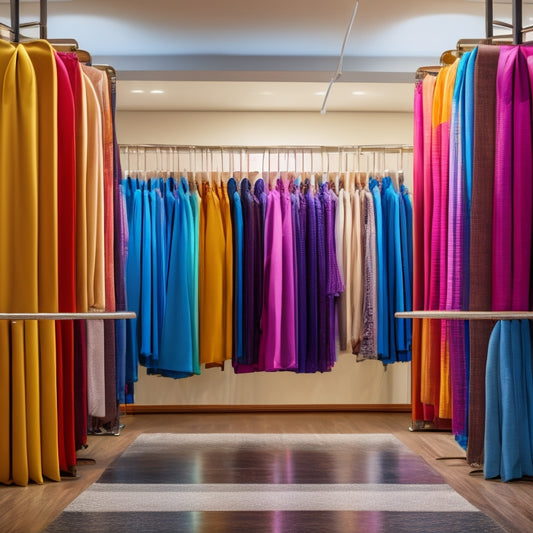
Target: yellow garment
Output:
[(27, 446), (42, 57), (227, 294), (212, 270), (7, 113)]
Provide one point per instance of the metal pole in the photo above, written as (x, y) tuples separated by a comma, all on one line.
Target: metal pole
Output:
[(517, 21), (489, 19), (43, 22), (15, 20)]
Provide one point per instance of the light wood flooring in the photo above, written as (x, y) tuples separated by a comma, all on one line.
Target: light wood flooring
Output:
[(31, 509)]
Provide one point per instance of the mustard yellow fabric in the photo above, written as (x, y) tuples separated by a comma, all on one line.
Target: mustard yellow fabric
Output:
[(7, 54), (212, 270), (42, 58)]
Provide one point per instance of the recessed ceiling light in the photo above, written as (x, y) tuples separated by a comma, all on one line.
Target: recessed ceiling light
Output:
[(358, 93), (157, 91), (320, 93), (137, 91)]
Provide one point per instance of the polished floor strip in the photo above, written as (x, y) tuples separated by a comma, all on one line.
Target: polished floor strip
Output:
[(281, 497)]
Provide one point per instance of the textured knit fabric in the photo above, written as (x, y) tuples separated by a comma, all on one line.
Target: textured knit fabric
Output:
[(311, 364), (369, 334), (481, 242), (355, 277)]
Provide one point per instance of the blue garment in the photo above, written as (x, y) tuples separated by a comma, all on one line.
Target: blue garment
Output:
[(406, 236), (509, 402), (133, 279)]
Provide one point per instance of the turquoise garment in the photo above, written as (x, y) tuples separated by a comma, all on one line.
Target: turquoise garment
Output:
[(382, 323), (238, 280), (176, 347), (195, 236)]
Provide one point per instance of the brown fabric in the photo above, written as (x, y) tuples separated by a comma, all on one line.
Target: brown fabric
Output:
[(481, 241)]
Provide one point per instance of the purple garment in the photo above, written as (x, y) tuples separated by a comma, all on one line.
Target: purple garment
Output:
[(502, 226), (323, 359), (295, 215), (301, 259), (522, 183), (335, 284), (249, 272), (288, 359), (311, 364), (271, 316)]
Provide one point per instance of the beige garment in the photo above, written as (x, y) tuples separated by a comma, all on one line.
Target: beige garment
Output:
[(348, 265), (357, 269), (81, 200), (95, 201), (340, 252), (100, 82)]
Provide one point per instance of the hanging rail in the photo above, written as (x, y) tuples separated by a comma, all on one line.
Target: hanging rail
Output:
[(97, 315)]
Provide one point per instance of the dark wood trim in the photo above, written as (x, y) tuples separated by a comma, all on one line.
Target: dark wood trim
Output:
[(132, 409)]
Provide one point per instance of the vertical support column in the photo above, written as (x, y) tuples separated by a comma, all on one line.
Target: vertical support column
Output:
[(43, 19), (15, 20), (517, 21), (489, 18)]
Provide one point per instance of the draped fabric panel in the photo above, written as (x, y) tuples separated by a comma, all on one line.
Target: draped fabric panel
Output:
[(482, 189), (45, 120)]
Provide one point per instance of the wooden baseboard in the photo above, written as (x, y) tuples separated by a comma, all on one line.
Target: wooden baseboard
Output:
[(132, 409)]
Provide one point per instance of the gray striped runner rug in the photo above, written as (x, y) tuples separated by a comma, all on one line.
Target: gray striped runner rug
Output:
[(270, 482)]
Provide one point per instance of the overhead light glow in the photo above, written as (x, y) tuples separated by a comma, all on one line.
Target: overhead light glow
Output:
[(358, 93), (320, 93), (157, 91), (137, 91)]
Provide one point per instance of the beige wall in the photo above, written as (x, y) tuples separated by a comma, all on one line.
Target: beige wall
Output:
[(349, 382)]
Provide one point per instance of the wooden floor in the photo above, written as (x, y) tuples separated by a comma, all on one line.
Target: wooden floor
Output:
[(31, 509)]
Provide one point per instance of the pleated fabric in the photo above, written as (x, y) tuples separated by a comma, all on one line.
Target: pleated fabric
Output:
[(509, 402), (457, 222), (481, 242), (212, 275), (502, 252), (66, 265)]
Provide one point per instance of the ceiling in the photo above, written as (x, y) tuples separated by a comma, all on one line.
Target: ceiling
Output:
[(254, 55)]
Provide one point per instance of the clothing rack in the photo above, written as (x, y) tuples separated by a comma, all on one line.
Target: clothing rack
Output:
[(312, 159)]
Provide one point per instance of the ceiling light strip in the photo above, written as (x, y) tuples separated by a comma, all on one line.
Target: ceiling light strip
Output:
[(338, 73)]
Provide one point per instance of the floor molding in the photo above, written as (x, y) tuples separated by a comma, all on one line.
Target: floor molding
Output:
[(132, 409)]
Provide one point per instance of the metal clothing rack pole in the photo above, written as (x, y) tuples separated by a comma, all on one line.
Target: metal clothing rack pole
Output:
[(97, 315), (467, 315)]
